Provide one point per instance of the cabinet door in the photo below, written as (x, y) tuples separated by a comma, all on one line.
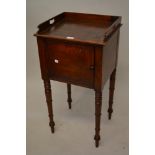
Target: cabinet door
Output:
[(71, 63)]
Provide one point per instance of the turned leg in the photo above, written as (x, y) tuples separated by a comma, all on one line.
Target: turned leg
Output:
[(111, 93), (98, 105), (69, 100), (48, 94)]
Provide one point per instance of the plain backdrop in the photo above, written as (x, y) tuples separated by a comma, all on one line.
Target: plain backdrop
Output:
[(74, 128)]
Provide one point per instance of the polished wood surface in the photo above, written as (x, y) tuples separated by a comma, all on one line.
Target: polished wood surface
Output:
[(84, 28), (73, 65), (79, 49), (109, 54)]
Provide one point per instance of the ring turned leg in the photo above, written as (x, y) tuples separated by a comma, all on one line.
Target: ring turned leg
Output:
[(69, 100), (111, 93), (48, 94), (98, 105)]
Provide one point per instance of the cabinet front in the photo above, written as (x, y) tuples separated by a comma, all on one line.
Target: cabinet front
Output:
[(71, 63)]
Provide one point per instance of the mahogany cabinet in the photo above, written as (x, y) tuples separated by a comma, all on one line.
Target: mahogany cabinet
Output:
[(79, 49)]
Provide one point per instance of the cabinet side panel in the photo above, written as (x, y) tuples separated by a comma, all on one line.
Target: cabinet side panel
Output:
[(42, 58), (98, 58), (109, 57)]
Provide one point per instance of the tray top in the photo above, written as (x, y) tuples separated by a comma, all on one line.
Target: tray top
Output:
[(79, 27)]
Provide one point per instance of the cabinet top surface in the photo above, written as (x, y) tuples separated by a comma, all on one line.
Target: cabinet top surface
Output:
[(79, 27)]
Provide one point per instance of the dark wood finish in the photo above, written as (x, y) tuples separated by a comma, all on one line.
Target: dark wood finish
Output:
[(73, 63), (48, 94), (79, 49), (42, 57), (69, 100), (98, 106), (112, 79), (98, 72), (109, 53), (111, 93), (85, 28)]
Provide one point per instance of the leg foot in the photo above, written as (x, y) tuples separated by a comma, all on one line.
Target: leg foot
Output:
[(48, 95), (52, 124), (109, 116), (97, 139), (69, 100), (111, 93), (97, 143), (98, 105)]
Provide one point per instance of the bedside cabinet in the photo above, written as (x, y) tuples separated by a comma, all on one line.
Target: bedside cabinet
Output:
[(79, 49)]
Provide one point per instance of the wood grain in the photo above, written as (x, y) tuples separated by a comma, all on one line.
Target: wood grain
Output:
[(74, 62), (79, 49)]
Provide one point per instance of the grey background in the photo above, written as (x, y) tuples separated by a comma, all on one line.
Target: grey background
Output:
[(74, 129)]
